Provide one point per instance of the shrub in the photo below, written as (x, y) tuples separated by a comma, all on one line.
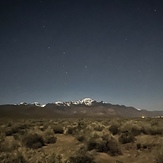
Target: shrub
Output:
[(17, 136), (15, 129), (155, 130), (139, 146), (50, 139), (44, 126), (6, 146), (114, 129), (81, 124), (58, 129), (113, 148), (8, 131), (159, 155), (80, 138), (80, 159), (99, 127), (72, 130), (154, 122), (126, 137), (110, 146), (95, 144), (12, 157), (117, 161), (48, 136), (50, 158), (2, 137), (136, 128), (96, 134), (33, 141), (81, 156)]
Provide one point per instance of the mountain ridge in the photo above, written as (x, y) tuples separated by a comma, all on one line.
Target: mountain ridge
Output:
[(86, 107)]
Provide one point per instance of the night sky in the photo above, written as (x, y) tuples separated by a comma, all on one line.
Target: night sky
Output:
[(109, 50)]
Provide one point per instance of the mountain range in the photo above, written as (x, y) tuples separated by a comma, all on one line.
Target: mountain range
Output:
[(86, 107)]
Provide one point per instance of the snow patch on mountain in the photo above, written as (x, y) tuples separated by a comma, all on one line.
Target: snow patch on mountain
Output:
[(88, 101), (34, 103), (138, 109), (85, 101), (58, 102), (23, 103)]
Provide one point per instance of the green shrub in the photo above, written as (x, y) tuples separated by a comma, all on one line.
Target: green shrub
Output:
[(126, 137), (33, 141)]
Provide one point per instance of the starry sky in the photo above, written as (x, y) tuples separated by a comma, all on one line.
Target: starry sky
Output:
[(109, 50)]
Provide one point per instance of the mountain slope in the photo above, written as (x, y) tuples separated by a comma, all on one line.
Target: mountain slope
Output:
[(81, 108)]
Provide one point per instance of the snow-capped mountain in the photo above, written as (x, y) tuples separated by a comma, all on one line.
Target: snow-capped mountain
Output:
[(33, 104), (86, 107), (85, 101), (88, 101), (22, 103)]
